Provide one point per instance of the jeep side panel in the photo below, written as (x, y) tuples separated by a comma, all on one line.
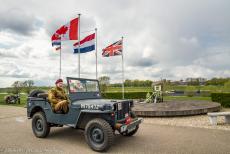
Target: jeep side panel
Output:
[(69, 118)]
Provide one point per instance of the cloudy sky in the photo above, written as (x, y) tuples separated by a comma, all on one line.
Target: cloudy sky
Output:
[(162, 38)]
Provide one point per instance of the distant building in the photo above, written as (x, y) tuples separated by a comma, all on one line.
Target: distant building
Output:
[(200, 80)]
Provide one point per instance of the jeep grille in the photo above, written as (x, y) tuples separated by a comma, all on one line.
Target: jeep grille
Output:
[(124, 109)]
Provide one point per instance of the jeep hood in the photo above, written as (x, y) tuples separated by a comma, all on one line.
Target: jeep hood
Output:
[(96, 101)]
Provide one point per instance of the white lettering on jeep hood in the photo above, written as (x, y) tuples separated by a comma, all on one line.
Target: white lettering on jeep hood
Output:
[(90, 106)]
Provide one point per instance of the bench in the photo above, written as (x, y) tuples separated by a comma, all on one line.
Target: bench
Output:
[(213, 117)]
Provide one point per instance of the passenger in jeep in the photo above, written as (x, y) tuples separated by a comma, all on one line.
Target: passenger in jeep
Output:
[(58, 98)]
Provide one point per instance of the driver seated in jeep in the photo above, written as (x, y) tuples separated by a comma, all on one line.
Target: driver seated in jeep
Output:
[(58, 98)]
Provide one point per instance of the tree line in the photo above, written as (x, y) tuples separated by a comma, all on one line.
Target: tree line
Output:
[(20, 86)]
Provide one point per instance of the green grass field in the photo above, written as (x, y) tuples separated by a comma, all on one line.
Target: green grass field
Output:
[(168, 88), (22, 103), (129, 89), (166, 98), (133, 89)]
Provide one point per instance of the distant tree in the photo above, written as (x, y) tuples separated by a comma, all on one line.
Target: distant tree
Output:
[(136, 83), (28, 85), (104, 82), (217, 81), (148, 83), (128, 83), (194, 82), (17, 87)]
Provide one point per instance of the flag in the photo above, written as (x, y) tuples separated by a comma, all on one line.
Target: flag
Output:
[(66, 32), (113, 49), (56, 40), (86, 45)]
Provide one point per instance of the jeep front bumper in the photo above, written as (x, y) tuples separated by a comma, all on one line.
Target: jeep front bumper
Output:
[(130, 127)]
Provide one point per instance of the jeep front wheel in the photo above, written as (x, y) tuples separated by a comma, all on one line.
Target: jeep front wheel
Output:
[(39, 125), (99, 134)]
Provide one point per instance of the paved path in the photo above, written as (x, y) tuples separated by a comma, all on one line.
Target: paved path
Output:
[(16, 137)]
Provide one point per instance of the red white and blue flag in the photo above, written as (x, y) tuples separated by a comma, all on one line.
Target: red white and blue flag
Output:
[(114, 49), (56, 40), (86, 45), (66, 32)]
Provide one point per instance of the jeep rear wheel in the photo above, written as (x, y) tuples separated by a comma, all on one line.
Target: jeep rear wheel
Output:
[(99, 134), (39, 125)]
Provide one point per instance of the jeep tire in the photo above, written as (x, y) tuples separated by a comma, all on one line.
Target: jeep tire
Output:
[(99, 134), (40, 126)]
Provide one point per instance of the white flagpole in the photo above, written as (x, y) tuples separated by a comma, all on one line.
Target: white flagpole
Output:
[(122, 57), (79, 45), (96, 49), (60, 63)]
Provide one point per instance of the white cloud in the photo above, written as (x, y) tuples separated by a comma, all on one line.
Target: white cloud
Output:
[(169, 39)]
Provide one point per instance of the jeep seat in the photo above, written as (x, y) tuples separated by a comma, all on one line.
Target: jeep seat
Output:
[(43, 95)]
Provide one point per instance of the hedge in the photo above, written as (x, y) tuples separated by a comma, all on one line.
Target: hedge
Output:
[(222, 98), (128, 95), (205, 93)]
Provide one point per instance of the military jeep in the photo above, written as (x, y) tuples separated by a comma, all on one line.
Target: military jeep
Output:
[(99, 118)]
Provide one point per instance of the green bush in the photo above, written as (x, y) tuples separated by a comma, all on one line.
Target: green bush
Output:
[(222, 98), (226, 87), (128, 95), (205, 93)]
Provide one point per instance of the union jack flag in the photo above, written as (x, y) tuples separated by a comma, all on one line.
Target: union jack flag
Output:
[(114, 49)]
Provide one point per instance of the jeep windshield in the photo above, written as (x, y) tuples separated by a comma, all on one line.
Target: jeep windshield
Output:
[(80, 88)]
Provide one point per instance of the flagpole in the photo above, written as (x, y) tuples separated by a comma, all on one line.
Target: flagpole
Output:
[(79, 45), (96, 49), (60, 63), (122, 57)]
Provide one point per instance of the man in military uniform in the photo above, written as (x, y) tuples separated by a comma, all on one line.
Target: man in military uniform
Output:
[(58, 98)]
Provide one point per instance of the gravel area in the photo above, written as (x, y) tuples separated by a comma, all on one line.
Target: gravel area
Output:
[(198, 121)]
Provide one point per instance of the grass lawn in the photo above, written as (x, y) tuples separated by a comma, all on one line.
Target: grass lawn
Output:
[(22, 103), (129, 89), (177, 98)]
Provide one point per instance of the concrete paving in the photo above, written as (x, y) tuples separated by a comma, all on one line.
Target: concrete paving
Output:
[(16, 137)]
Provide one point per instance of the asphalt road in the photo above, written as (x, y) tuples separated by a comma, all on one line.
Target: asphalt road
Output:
[(16, 137)]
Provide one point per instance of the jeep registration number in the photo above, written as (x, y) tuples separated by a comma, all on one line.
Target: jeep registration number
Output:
[(131, 129)]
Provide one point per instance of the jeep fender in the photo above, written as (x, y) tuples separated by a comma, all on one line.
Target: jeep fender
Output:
[(86, 115)]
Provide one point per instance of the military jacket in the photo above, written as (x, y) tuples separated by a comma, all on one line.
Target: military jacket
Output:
[(56, 95)]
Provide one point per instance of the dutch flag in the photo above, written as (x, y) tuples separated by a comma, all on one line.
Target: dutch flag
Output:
[(86, 45)]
